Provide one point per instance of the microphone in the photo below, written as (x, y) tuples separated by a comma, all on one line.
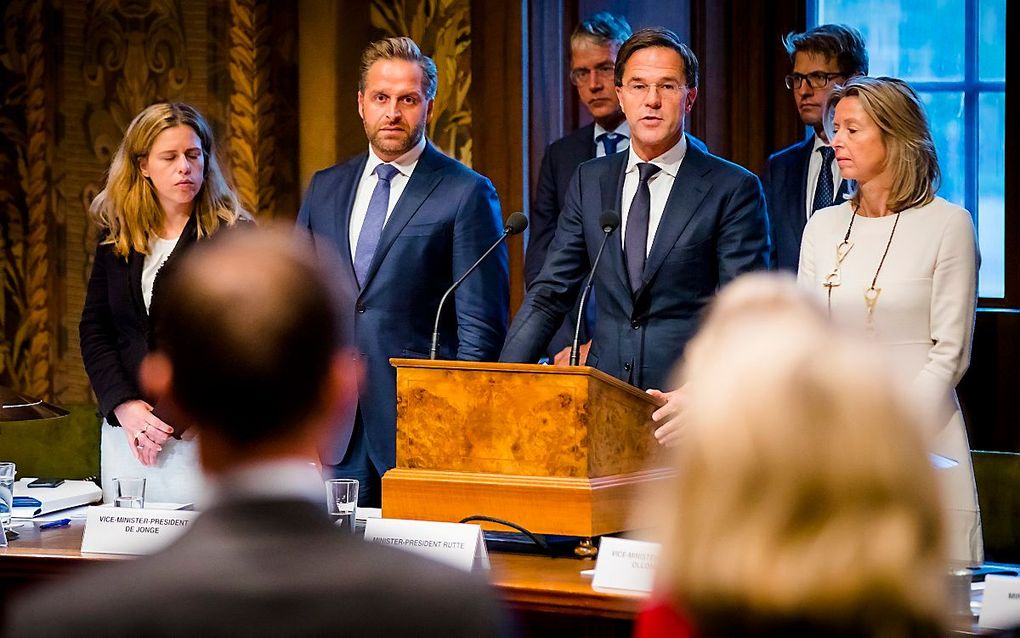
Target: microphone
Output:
[(609, 221), (515, 224)]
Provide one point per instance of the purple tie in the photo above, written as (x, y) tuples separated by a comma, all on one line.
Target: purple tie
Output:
[(368, 240), (636, 240)]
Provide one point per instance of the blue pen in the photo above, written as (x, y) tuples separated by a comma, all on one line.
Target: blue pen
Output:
[(64, 522)]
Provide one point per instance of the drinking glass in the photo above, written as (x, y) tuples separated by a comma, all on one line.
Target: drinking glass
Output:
[(7, 471), (342, 499), (130, 492)]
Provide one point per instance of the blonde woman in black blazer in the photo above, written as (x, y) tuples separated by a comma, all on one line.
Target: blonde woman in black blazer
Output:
[(164, 191)]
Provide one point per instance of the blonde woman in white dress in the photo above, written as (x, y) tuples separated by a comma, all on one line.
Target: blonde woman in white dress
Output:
[(902, 263)]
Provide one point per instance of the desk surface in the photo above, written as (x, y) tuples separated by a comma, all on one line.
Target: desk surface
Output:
[(526, 582)]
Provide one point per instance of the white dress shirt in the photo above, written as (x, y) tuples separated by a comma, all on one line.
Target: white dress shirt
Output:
[(814, 167), (405, 164), (659, 186), (621, 145)]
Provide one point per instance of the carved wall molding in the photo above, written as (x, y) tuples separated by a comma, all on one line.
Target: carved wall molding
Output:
[(25, 329), (251, 140)]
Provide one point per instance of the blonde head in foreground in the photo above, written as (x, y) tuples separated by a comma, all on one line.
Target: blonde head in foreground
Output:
[(804, 490)]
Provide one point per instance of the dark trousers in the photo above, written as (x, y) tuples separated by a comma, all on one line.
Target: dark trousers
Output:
[(357, 464)]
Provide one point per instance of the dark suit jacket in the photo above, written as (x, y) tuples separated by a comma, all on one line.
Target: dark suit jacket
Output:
[(264, 568), (561, 159), (785, 184), (447, 216), (114, 326), (713, 229)]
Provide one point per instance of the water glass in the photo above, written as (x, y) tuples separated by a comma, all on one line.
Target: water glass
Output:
[(130, 492), (342, 499), (7, 471)]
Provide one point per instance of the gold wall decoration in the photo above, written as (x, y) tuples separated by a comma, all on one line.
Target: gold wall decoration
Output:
[(251, 120), (442, 28), (25, 332)]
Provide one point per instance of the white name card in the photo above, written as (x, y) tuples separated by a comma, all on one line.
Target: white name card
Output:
[(1000, 608), (625, 564), (118, 530), (458, 544)]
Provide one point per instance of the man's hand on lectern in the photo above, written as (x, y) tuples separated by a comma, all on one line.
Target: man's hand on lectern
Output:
[(670, 417)]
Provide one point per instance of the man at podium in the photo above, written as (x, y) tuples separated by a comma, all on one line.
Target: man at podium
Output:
[(689, 222)]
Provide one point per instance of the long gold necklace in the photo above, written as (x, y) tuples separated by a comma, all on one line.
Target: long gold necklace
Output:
[(833, 279)]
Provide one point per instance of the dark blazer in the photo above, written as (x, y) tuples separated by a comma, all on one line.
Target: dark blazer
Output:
[(447, 216), (714, 228), (561, 159), (785, 184), (114, 327), (264, 568)]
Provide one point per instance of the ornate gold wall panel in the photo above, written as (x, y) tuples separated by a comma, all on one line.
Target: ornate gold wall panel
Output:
[(442, 28)]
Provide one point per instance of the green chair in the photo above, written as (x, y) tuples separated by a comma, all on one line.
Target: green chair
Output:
[(63, 447), (998, 485)]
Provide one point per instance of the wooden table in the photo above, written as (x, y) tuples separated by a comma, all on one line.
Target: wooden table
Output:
[(547, 595)]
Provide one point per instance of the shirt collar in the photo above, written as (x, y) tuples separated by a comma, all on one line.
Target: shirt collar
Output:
[(405, 163), (668, 162), (623, 129), (291, 479), (819, 143)]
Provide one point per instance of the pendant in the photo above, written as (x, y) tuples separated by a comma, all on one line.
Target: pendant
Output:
[(832, 279), (842, 249), (870, 299)]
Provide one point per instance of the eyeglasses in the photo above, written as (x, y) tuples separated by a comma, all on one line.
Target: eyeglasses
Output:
[(816, 80), (668, 90), (603, 71)]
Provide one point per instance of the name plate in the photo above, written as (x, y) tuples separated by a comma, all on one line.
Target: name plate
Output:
[(1000, 608), (625, 564), (458, 544), (118, 530)]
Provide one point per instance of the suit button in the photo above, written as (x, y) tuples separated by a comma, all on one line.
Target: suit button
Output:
[(627, 367), (635, 324), (360, 307)]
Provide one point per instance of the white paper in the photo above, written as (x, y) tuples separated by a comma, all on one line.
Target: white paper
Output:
[(52, 499), (458, 544), (1000, 608), (625, 564)]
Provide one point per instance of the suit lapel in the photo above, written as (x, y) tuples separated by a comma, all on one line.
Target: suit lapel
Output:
[(346, 189), (423, 181), (689, 189), (800, 219), (136, 262), (612, 199)]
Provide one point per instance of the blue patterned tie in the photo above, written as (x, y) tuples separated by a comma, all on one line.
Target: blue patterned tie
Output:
[(824, 194), (636, 241), (609, 141), (368, 240)]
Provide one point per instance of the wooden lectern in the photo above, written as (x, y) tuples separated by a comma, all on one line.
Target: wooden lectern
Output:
[(556, 450)]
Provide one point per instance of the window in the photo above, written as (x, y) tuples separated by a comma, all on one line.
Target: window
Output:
[(953, 52)]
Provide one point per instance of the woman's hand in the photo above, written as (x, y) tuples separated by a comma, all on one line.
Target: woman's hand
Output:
[(669, 417), (146, 433)]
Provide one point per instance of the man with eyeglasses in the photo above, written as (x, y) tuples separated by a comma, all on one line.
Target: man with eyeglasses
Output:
[(802, 178), (689, 223), (593, 48)]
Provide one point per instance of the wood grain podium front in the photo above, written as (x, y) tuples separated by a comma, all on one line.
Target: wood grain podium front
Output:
[(556, 450)]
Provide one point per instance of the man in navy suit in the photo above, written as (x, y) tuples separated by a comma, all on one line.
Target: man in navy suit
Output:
[(593, 48), (802, 178), (691, 222), (399, 224)]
